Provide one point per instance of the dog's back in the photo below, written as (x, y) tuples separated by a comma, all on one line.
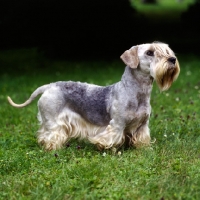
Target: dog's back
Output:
[(90, 101)]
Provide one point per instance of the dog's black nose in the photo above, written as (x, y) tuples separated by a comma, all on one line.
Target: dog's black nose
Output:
[(172, 60)]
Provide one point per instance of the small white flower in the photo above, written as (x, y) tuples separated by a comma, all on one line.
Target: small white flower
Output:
[(196, 87), (177, 99), (104, 154), (167, 94), (165, 135), (119, 153), (188, 73)]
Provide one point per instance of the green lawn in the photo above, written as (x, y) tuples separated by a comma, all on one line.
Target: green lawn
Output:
[(170, 169)]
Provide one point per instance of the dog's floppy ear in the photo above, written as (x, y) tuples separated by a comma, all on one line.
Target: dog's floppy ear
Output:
[(130, 57)]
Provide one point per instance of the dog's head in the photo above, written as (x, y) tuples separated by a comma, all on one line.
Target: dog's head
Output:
[(155, 59)]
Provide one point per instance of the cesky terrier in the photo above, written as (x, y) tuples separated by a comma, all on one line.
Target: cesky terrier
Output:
[(110, 115)]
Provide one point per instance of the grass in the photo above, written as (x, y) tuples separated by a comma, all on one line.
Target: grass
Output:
[(170, 169), (163, 9)]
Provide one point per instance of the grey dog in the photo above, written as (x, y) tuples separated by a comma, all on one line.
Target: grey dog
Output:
[(106, 116)]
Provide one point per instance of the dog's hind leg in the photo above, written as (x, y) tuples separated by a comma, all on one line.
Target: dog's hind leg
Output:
[(52, 133)]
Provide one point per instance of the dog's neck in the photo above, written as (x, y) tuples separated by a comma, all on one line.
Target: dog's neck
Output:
[(136, 79)]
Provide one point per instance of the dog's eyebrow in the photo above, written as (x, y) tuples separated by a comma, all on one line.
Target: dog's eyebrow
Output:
[(151, 49), (163, 51)]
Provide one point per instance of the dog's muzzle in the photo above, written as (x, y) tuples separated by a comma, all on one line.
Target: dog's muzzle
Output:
[(172, 60)]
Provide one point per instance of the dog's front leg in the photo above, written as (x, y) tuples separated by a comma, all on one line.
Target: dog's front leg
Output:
[(141, 137), (113, 135)]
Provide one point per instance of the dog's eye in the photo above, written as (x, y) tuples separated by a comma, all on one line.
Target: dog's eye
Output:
[(150, 53)]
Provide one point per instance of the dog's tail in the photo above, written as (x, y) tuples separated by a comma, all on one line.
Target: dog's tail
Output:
[(38, 91)]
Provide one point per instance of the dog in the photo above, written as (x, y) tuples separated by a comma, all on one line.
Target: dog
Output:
[(107, 116)]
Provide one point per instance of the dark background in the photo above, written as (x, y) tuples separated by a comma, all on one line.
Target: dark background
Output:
[(91, 29)]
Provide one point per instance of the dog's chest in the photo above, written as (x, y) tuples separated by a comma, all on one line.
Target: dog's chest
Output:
[(138, 112), (135, 116), (137, 120)]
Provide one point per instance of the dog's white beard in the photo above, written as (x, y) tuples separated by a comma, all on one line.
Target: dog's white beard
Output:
[(165, 75)]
